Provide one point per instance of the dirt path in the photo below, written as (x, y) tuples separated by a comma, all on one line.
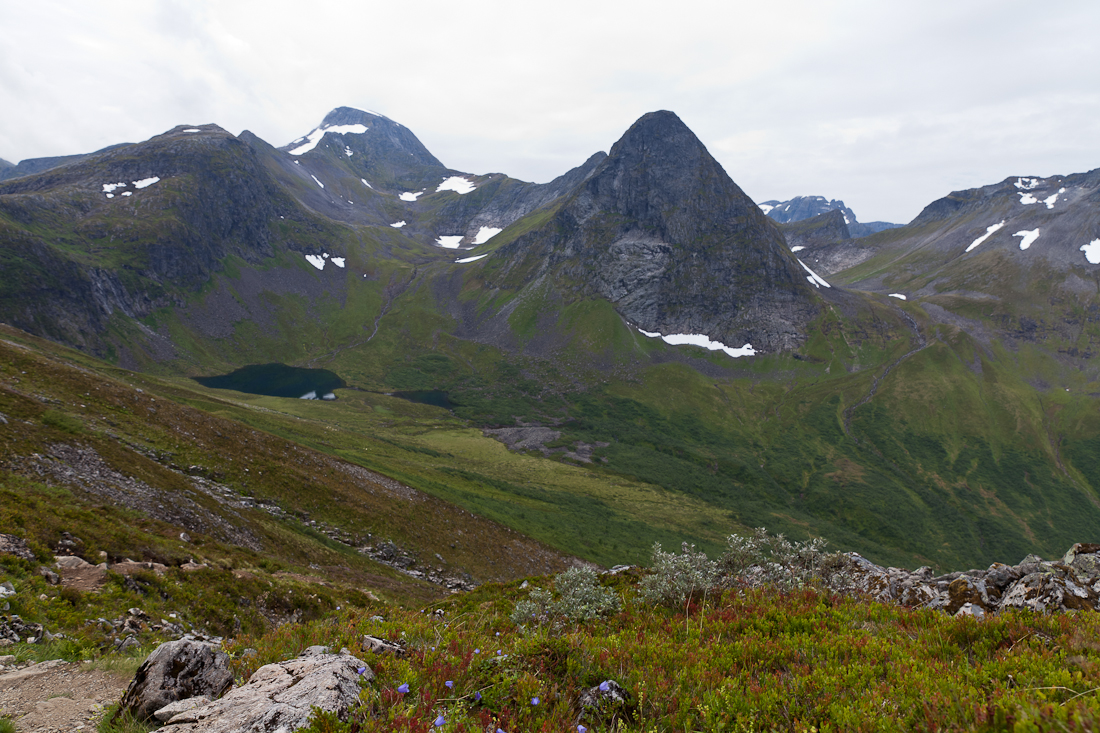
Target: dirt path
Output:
[(56, 696)]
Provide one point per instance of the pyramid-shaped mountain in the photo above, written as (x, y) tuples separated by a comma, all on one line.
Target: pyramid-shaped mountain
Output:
[(661, 231)]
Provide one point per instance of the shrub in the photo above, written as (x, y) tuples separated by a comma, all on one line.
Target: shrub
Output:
[(580, 598), (676, 577)]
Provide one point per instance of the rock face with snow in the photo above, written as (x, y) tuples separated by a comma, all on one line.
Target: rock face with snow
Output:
[(280, 697), (801, 208), (1072, 583), (662, 232)]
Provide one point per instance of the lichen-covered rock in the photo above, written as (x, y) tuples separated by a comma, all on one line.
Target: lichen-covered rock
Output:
[(608, 703), (1052, 589), (176, 670), (280, 697)]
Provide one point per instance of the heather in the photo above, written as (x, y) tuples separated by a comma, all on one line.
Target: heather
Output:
[(736, 659)]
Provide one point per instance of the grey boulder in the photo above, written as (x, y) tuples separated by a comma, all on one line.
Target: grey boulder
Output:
[(176, 670), (280, 697)]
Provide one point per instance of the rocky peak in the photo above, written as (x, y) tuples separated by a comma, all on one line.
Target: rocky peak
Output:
[(372, 135), (662, 232)]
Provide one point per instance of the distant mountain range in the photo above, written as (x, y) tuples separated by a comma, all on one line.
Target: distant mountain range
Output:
[(919, 393), (806, 207)]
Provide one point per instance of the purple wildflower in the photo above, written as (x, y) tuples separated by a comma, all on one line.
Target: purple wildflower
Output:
[(581, 729), (361, 670), (605, 686), (534, 701), (439, 721), (403, 688), (477, 651), (450, 683), (477, 696)]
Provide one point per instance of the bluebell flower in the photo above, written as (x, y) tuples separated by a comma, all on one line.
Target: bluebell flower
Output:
[(450, 683), (361, 670), (581, 729), (604, 686), (403, 688), (439, 721), (477, 696), (534, 701)]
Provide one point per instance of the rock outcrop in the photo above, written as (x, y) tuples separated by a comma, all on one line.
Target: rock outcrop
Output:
[(281, 697), (1069, 584)]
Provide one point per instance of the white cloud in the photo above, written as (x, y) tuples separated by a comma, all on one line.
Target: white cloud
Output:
[(886, 105)]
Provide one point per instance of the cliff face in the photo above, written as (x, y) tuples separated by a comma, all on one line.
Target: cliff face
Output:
[(661, 231)]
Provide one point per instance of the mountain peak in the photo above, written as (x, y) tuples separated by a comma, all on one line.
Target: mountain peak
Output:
[(352, 116)]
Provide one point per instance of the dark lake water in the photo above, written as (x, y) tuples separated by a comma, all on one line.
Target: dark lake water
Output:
[(278, 380), (427, 397)]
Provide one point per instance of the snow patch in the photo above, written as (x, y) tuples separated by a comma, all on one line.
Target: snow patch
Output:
[(110, 195), (471, 259), (309, 396), (1049, 200), (193, 129), (797, 248), (814, 279), (410, 196), (315, 179), (988, 233), (364, 180), (899, 296), (108, 187), (146, 182), (1026, 184), (1027, 199), (348, 151), (1029, 237), (450, 242), (315, 137), (765, 207), (698, 339), (338, 261), (398, 224), (1092, 251), (127, 193), (316, 260), (458, 184), (485, 234)]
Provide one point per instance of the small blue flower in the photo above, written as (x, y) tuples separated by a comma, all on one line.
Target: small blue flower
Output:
[(439, 721), (477, 696), (534, 701), (498, 633), (362, 670), (604, 686), (450, 683), (477, 651), (498, 652), (581, 729), (499, 730), (403, 688)]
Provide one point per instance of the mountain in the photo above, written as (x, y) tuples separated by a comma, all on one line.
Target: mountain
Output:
[(630, 353), (31, 166), (661, 232), (806, 207), (1015, 259)]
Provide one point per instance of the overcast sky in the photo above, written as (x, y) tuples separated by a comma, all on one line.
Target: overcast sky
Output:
[(887, 104)]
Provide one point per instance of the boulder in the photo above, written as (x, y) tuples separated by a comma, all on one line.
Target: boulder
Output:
[(381, 646), (173, 709), (176, 670), (1054, 588), (280, 697)]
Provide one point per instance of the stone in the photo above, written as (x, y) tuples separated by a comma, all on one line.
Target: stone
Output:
[(280, 697), (381, 646), (71, 562), (173, 709), (176, 670), (1053, 590), (1084, 558), (607, 703), (965, 590), (12, 545), (7, 590), (51, 577), (972, 610), (190, 567)]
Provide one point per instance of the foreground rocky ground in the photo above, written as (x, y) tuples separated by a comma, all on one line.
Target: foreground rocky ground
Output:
[(55, 696)]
